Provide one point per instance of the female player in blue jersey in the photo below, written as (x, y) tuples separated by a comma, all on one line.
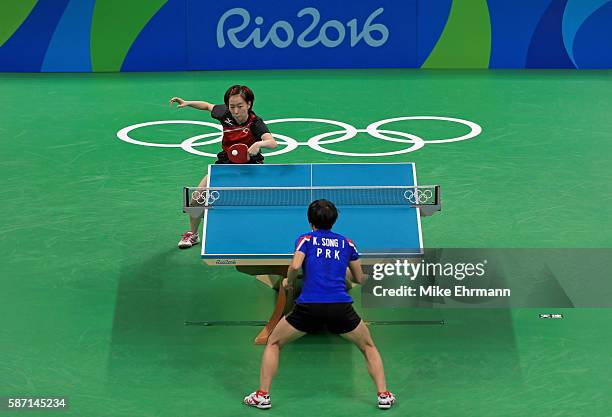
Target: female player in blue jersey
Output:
[(323, 257)]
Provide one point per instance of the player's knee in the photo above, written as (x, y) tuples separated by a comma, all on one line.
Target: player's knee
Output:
[(365, 344), (370, 347), (361, 345), (361, 348), (274, 342)]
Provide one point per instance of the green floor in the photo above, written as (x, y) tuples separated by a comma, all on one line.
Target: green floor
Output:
[(94, 293)]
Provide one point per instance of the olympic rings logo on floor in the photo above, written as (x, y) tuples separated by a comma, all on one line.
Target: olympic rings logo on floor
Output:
[(315, 142)]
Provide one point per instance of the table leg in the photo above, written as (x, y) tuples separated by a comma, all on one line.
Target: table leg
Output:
[(284, 305), (277, 314)]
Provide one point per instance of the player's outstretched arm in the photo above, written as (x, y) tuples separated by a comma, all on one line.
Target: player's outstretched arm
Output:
[(356, 271), (200, 105), (267, 141)]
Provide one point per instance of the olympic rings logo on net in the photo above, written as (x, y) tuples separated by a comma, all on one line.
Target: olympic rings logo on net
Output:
[(205, 197), (315, 142), (418, 196)]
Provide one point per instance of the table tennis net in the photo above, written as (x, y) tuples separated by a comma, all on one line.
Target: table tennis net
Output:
[(303, 196)]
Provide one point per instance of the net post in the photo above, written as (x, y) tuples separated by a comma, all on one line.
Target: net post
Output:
[(185, 199), (430, 209), (194, 211)]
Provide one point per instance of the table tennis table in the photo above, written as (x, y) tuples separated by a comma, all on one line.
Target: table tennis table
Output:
[(261, 232), (265, 234)]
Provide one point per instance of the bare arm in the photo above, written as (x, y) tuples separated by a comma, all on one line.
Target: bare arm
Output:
[(294, 267), (200, 105), (267, 141), (356, 271)]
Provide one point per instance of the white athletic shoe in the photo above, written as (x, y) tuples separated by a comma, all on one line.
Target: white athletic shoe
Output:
[(258, 399), (188, 240), (385, 400)]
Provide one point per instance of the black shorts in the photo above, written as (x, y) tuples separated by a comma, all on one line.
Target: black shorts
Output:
[(311, 317), (222, 158)]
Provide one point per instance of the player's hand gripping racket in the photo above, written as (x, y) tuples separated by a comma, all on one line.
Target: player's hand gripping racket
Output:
[(238, 153)]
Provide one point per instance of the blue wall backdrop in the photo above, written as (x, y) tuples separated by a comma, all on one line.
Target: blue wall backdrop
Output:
[(172, 35)]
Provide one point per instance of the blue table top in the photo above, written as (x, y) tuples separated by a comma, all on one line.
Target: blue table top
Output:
[(265, 235)]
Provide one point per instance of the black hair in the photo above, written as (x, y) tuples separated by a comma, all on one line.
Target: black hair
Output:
[(245, 92), (322, 214)]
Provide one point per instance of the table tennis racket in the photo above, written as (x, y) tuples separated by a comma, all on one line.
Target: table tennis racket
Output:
[(238, 153)]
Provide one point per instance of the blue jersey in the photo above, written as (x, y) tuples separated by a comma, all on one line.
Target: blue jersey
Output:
[(327, 257)]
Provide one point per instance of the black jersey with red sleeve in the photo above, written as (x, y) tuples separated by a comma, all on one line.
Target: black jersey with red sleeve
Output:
[(247, 133)]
